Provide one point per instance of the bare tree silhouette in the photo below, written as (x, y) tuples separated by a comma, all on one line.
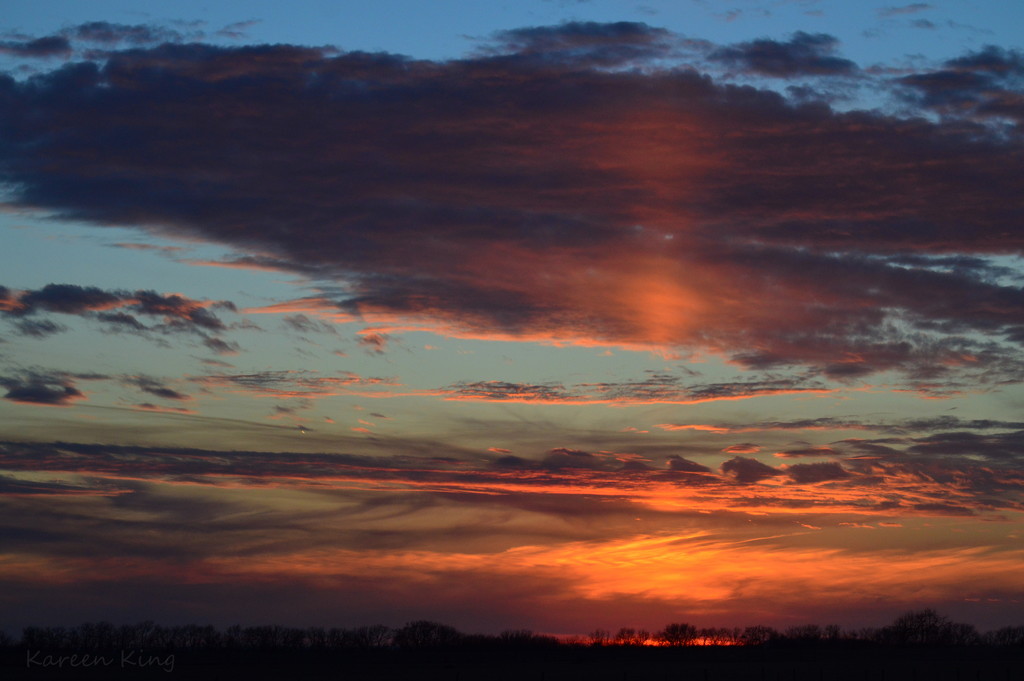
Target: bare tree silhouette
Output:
[(678, 634), (627, 636), (425, 634)]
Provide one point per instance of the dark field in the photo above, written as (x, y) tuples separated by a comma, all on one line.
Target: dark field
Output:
[(562, 664)]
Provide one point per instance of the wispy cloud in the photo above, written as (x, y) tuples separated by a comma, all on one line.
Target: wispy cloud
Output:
[(918, 477), (656, 389), (912, 8)]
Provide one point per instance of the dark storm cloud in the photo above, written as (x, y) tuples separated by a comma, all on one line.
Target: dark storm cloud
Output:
[(803, 55), (541, 191), (50, 46)]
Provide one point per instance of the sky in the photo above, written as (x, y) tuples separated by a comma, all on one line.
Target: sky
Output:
[(548, 315)]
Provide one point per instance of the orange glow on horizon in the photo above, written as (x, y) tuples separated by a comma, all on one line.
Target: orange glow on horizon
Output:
[(702, 574)]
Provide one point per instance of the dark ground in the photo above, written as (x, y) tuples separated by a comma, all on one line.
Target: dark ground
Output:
[(579, 664)]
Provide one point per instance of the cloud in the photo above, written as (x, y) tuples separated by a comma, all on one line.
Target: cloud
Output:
[(50, 389), (221, 347), (828, 423), (237, 29), (504, 391), (287, 384), (584, 43), (679, 464), (1004, 447), (983, 85), (148, 384), (120, 321), (912, 8), (113, 34), (304, 324), (804, 473), (953, 448), (132, 246), (649, 208), (117, 311), (561, 457), (805, 54), (11, 486), (655, 389), (177, 311), (375, 343), (44, 48), (66, 299), (694, 426), (743, 469), (38, 328), (512, 461), (161, 409), (806, 452), (564, 480), (742, 448)]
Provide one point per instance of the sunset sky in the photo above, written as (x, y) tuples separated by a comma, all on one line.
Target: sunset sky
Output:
[(556, 315)]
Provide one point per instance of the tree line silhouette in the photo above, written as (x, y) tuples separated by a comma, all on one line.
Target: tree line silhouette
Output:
[(919, 628)]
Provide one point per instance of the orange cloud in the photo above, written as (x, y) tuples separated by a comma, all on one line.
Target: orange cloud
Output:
[(702, 574), (694, 426)]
